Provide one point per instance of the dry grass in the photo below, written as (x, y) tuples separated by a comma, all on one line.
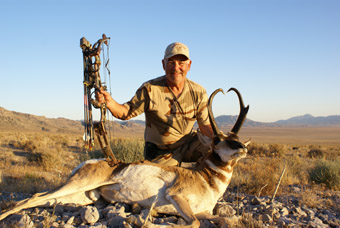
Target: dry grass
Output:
[(34, 162), (259, 172)]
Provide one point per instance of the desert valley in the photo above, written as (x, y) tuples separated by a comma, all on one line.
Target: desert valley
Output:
[(38, 154)]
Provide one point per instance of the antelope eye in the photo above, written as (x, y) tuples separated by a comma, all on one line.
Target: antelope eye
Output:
[(234, 144)]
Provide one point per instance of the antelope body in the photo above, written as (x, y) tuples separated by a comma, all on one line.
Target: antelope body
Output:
[(191, 193)]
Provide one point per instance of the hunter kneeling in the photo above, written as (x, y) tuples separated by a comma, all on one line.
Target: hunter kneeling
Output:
[(171, 103)]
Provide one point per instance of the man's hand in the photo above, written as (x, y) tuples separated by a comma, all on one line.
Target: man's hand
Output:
[(119, 111), (102, 96)]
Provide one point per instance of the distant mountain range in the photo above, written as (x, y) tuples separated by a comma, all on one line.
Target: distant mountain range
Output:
[(11, 120), (311, 120), (304, 120)]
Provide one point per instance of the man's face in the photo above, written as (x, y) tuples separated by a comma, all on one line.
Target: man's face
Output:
[(176, 69)]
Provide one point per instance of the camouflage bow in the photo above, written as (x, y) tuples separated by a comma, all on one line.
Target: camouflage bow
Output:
[(92, 82)]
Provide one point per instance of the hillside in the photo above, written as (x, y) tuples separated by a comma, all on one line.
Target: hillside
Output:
[(11, 120), (297, 130), (14, 121)]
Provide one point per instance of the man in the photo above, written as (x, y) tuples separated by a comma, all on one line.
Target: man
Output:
[(171, 103)]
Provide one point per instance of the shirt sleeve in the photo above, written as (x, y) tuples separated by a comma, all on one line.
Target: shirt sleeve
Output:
[(139, 103)]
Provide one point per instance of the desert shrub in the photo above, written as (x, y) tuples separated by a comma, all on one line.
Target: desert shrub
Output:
[(327, 173), (257, 176), (276, 150), (316, 153), (26, 145), (124, 149), (94, 154), (256, 149), (50, 156), (270, 150), (296, 172), (29, 146), (333, 153), (52, 161), (34, 157), (48, 160), (128, 150)]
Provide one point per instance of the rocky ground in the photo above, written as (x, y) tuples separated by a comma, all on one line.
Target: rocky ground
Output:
[(241, 210)]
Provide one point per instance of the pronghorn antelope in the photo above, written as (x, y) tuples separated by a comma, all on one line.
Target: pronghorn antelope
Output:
[(191, 193)]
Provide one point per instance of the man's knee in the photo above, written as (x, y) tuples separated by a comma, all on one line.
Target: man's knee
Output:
[(154, 154), (196, 150)]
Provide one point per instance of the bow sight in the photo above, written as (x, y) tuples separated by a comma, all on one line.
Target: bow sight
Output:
[(92, 82)]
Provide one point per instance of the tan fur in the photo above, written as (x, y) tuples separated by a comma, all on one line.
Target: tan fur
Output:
[(180, 191)]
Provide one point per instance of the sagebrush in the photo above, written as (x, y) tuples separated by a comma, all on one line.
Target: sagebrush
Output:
[(45, 161)]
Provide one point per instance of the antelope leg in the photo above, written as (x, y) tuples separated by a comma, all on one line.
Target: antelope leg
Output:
[(183, 208), (69, 193), (222, 221)]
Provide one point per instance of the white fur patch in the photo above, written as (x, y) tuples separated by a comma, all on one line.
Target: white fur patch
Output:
[(140, 183)]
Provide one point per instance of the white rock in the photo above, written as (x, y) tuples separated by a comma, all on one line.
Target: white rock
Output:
[(89, 214)]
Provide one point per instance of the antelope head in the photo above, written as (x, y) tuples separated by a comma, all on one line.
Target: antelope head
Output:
[(227, 146)]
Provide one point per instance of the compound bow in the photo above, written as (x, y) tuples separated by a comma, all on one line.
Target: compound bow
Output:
[(92, 81)]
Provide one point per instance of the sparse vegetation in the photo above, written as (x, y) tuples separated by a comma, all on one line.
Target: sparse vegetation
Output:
[(267, 150), (259, 172), (128, 150), (34, 162), (124, 149), (316, 153)]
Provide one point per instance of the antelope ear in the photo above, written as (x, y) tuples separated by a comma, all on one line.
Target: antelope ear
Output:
[(247, 142), (205, 140)]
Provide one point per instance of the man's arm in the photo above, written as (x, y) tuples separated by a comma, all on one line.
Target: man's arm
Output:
[(206, 130), (118, 110)]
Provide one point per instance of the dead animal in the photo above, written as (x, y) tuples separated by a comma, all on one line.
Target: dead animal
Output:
[(191, 193)]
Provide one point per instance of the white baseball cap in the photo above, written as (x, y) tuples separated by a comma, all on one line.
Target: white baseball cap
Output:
[(176, 48)]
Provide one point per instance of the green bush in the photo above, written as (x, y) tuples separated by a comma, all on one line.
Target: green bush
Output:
[(128, 150), (124, 149), (327, 173), (94, 154)]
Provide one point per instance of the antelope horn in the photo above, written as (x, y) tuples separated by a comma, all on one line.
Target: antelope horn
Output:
[(210, 113), (243, 113)]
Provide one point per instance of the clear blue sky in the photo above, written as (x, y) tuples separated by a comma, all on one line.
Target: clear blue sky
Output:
[(283, 56)]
